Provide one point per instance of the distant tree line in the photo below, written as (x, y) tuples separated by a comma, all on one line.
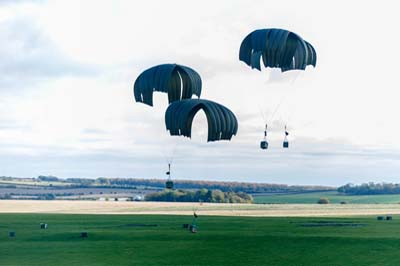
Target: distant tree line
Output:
[(370, 189), (202, 195), (47, 196), (212, 185), (156, 184), (48, 178), (10, 178)]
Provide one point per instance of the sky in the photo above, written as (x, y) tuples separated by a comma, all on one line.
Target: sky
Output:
[(67, 109)]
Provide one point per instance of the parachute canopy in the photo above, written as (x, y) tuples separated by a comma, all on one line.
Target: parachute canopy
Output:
[(180, 82), (222, 123), (278, 48)]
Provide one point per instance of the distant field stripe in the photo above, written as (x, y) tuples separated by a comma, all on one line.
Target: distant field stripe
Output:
[(333, 196)]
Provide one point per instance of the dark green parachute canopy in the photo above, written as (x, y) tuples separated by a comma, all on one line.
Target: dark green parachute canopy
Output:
[(180, 82), (222, 123), (278, 48)]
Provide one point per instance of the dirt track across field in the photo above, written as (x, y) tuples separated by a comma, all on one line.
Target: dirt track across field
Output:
[(270, 210)]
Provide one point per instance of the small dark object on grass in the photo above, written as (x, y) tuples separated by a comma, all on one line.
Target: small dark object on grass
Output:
[(343, 202), (380, 218), (323, 201), (84, 234), (185, 226), (389, 218), (11, 234), (43, 226), (193, 228)]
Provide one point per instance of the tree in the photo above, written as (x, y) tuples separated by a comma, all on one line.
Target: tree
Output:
[(217, 196), (48, 178), (202, 195)]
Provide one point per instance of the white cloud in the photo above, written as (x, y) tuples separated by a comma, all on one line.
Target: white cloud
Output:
[(29, 57)]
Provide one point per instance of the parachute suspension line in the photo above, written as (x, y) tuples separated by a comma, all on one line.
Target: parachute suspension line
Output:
[(272, 116), (169, 184), (293, 88), (283, 99), (264, 142), (285, 140), (265, 132), (295, 78), (169, 157), (168, 160), (169, 171), (172, 157), (264, 118)]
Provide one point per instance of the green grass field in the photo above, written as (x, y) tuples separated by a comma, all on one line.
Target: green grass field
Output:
[(135, 240), (333, 196)]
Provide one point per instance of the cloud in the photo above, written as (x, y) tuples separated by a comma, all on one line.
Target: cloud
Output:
[(28, 56), (306, 161), (16, 2), (12, 125)]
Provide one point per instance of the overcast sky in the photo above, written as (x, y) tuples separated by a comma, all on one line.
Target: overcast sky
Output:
[(67, 70)]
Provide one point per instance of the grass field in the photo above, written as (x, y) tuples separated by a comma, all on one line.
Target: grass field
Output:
[(34, 183), (161, 240), (333, 196)]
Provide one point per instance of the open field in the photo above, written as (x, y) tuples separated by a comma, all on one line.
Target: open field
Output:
[(333, 196), (33, 183), (175, 208), (161, 240)]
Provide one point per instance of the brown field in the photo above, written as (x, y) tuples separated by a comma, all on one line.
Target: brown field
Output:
[(172, 208)]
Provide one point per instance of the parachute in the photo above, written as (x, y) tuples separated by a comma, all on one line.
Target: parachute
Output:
[(180, 82), (278, 48), (222, 123)]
